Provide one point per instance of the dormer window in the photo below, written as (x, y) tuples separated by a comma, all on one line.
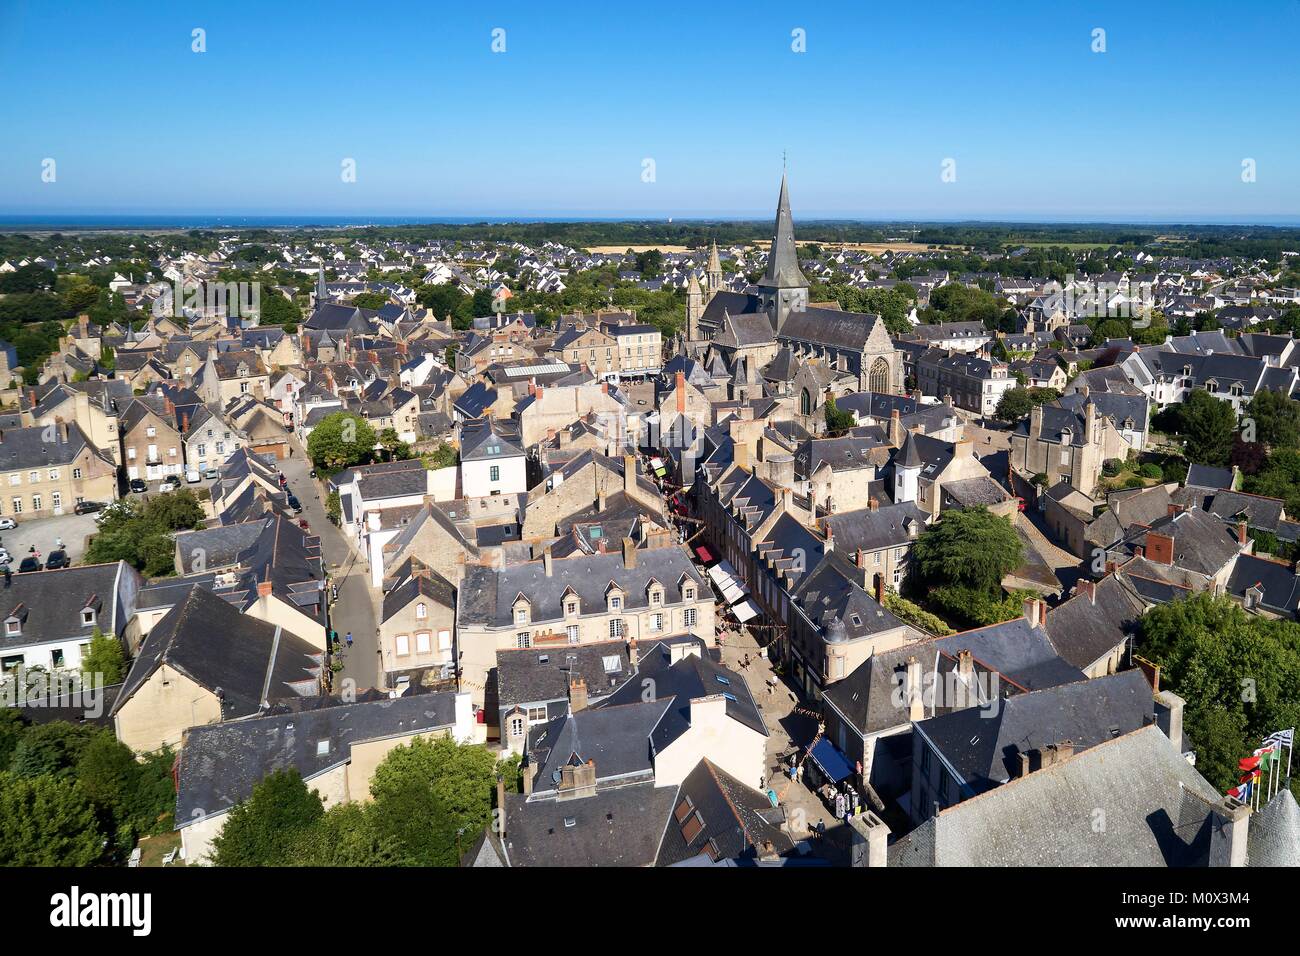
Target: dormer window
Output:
[(13, 627), (87, 616), (688, 593)]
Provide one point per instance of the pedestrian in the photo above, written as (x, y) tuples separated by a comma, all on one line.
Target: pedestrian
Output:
[(349, 638)]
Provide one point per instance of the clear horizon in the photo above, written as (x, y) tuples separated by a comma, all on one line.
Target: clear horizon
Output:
[(1040, 128)]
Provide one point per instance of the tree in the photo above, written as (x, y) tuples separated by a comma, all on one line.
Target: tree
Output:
[(51, 750), (431, 794), (1238, 673), (45, 821), (1207, 425), (12, 728), (837, 422), (263, 830), (341, 440), (1276, 419), (1014, 405), (347, 835), (969, 547), (104, 657)]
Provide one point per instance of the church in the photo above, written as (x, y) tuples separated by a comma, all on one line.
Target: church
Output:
[(776, 322)]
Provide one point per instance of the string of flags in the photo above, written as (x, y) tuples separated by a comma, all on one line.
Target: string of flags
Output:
[(1261, 771)]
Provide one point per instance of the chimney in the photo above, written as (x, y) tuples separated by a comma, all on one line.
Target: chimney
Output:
[(1088, 589), (895, 429), (880, 589), (963, 449), (1057, 753), (870, 840), (912, 690), (1035, 611), (873, 504), (579, 781), (63, 433), (860, 559), (740, 455), (1169, 717), (1242, 533), (681, 393), (629, 473), (263, 588), (1173, 509), (629, 553), (708, 711), (604, 388), (787, 499), (501, 807), (1160, 548), (577, 695), (1228, 836), (546, 561), (83, 321)]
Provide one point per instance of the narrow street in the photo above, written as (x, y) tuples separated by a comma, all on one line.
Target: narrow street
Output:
[(355, 609)]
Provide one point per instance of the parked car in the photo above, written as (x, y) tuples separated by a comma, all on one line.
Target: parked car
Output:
[(295, 504), (57, 559), (7, 524), (192, 476), (171, 483), (88, 507), (30, 563), (5, 558), (211, 473), (138, 486)]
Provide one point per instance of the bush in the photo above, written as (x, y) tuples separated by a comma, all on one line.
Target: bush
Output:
[(1152, 470), (916, 616)]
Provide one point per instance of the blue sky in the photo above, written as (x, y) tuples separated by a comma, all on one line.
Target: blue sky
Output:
[(1040, 127)]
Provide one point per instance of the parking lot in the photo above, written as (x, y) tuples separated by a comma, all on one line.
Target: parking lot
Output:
[(44, 534)]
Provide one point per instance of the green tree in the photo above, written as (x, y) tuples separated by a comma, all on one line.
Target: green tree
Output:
[(1207, 425), (263, 830), (12, 728), (347, 835), (969, 547), (104, 657), (51, 749), (1014, 405), (341, 440), (1276, 419), (837, 422), (45, 821)]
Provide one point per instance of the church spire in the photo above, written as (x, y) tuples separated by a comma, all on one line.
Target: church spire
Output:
[(322, 294), (783, 259), (713, 274)]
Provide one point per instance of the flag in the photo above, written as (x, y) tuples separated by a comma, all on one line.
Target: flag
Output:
[(1250, 775), (1247, 763), (1281, 737), (1241, 792)]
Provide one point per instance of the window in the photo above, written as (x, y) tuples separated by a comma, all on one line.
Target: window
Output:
[(36, 502), (523, 640), (322, 748), (612, 663), (18, 505), (33, 477), (130, 454), (572, 632), (656, 597), (13, 627), (615, 627), (403, 645), (444, 640), (421, 611), (688, 593), (656, 622), (494, 473), (689, 617), (571, 607), (422, 642), (56, 657), (521, 616), (536, 715), (150, 432), (54, 474), (615, 603), (87, 616), (15, 479), (56, 500), (516, 725), (76, 474)]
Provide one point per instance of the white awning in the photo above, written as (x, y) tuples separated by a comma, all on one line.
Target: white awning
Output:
[(745, 611)]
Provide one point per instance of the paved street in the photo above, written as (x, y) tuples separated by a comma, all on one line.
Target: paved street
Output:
[(355, 609)]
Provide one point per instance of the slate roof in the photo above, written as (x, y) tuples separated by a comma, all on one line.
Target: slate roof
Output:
[(209, 641), (1158, 812), (488, 593), (616, 738), (1276, 579), (723, 818), (889, 526), (1023, 657), (983, 745), (49, 603), (1275, 832), (219, 764), (532, 675), (1206, 476), (1083, 629), (620, 827)]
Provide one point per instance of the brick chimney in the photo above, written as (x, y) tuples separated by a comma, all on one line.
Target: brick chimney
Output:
[(1087, 589), (860, 559), (577, 694), (629, 473), (1160, 548), (1173, 509), (873, 504), (895, 429), (880, 589), (629, 553), (263, 588), (579, 781), (1242, 533), (1035, 611), (681, 393)]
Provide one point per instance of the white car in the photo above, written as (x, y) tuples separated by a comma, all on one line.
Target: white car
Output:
[(7, 524), (193, 477)]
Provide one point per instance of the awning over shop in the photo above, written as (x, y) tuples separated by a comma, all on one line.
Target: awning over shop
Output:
[(830, 761), (745, 611), (704, 554)]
